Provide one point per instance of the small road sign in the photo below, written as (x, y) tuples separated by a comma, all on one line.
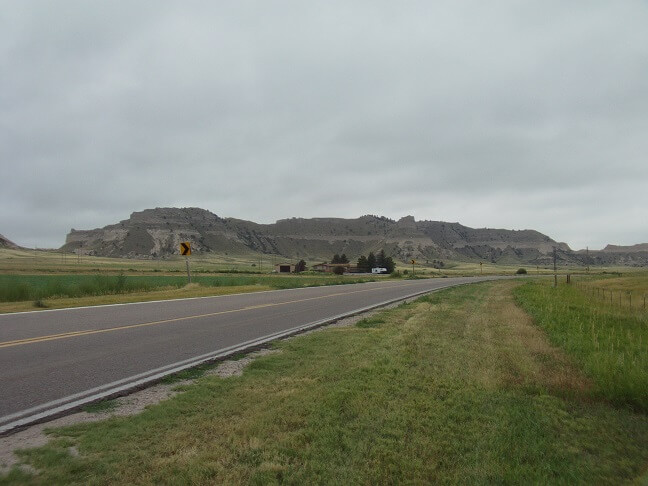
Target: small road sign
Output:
[(413, 262), (185, 248)]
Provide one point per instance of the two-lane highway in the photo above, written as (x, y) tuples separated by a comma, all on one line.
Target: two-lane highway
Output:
[(51, 361)]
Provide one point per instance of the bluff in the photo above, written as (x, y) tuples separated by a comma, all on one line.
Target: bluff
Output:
[(5, 243), (155, 233)]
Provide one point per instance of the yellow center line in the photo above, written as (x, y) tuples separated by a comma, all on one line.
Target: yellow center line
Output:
[(65, 335)]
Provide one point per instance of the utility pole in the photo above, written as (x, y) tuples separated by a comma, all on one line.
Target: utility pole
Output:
[(555, 271), (587, 257)]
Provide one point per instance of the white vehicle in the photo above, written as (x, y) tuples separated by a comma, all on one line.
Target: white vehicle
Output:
[(378, 270)]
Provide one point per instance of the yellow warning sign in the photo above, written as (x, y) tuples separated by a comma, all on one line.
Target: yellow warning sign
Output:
[(185, 248)]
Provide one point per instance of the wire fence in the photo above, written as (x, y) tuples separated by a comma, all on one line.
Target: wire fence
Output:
[(633, 300)]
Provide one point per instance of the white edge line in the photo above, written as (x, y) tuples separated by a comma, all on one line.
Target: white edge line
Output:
[(120, 387)]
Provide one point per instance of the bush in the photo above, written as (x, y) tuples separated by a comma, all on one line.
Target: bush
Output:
[(521, 271), (338, 270)]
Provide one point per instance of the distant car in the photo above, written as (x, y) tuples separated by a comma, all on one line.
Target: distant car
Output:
[(378, 270)]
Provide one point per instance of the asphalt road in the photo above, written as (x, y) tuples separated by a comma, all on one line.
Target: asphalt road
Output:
[(52, 361)]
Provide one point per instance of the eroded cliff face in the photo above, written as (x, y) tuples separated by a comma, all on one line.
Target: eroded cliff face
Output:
[(6, 243), (158, 232)]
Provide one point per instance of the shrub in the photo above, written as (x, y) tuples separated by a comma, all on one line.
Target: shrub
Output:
[(521, 271), (338, 270)]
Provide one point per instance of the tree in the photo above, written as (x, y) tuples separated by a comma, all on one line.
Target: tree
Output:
[(300, 267), (336, 259), (371, 260), (338, 270), (343, 258), (388, 263), (363, 264), (380, 258)]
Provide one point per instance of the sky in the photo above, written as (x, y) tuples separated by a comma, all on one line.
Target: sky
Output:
[(510, 114)]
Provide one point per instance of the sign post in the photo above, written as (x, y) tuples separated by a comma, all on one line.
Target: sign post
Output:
[(413, 263), (185, 250)]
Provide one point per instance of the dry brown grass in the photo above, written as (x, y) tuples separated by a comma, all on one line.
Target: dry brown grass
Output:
[(524, 350), (503, 347)]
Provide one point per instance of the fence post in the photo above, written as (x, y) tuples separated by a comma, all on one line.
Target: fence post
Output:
[(630, 297)]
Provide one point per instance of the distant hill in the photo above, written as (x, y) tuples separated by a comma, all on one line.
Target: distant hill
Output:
[(5, 243), (157, 233), (635, 255), (626, 249)]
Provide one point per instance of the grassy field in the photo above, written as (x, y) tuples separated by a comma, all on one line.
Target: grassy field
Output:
[(25, 292), (609, 342), (44, 262), (43, 279), (458, 387), (627, 291), (50, 261), (28, 287)]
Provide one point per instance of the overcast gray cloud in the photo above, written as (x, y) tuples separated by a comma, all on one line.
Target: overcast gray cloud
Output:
[(513, 114)]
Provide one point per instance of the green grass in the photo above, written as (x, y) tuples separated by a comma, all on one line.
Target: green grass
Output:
[(15, 288), (101, 406), (609, 342), (188, 374), (629, 291), (373, 321), (458, 387)]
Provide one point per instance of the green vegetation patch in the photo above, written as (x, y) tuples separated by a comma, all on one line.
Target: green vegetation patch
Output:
[(609, 342), (16, 288), (458, 387), (101, 406), (370, 322)]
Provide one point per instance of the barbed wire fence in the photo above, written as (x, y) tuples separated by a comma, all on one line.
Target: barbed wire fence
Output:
[(633, 300)]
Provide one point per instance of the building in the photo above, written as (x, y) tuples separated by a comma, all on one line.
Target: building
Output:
[(284, 267), (330, 267)]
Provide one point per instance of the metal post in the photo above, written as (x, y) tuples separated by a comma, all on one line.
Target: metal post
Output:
[(188, 271)]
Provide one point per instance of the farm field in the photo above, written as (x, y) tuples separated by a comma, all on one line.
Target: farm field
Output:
[(459, 386), (44, 279), (28, 292), (50, 261)]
